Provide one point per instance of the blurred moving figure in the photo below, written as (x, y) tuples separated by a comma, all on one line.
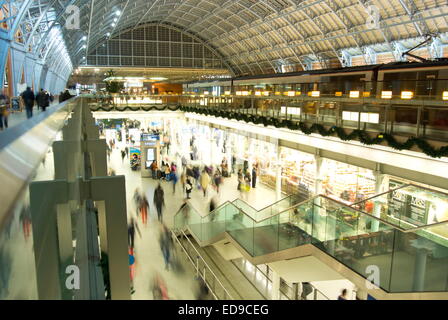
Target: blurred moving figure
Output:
[(4, 109), (159, 201), (131, 233), (173, 177), (144, 206), (137, 199), (205, 180), (217, 179), (185, 211), (203, 290), (28, 99), (43, 99), (166, 245), (212, 207), (159, 289)]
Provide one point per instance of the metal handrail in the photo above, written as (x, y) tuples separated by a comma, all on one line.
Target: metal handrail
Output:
[(198, 255), (232, 203), (394, 226)]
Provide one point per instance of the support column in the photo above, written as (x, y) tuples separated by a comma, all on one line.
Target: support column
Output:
[(319, 229), (101, 206), (278, 176), (98, 156), (295, 291), (45, 236), (420, 269), (361, 294), (66, 155), (275, 285), (318, 173), (113, 191), (379, 180), (64, 227)]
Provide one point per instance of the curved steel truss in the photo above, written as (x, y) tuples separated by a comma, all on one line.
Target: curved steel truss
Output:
[(248, 36)]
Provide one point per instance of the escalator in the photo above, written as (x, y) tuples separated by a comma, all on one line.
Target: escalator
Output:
[(356, 244)]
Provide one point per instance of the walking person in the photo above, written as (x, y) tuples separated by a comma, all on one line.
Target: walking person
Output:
[(217, 179), (126, 149), (131, 232), (123, 155), (167, 172), (196, 174), (154, 169), (137, 200), (4, 110), (247, 179), (173, 177), (183, 178), (166, 244), (343, 295), (43, 99), (254, 176), (240, 180), (159, 201), (28, 99), (205, 180), (144, 206)]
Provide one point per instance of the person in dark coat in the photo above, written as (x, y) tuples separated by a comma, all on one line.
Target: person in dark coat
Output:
[(131, 232), (254, 177), (159, 201), (28, 99), (43, 99), (64, 96)]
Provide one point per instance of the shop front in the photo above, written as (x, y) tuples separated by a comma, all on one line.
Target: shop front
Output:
[(298, 172), (340, 181), (347, 183), (254, 151)]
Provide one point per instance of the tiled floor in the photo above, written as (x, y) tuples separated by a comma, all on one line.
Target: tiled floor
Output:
[(15, 118), (149, 259)]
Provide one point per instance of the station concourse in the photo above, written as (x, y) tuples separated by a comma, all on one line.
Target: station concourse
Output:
[(237, 150)]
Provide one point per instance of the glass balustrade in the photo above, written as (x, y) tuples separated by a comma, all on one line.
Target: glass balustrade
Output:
[(395, 257)]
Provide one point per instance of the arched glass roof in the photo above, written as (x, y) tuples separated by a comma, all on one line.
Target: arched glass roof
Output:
[(251, 36)]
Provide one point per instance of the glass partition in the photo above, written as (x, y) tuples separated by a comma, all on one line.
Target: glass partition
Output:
[(32, 204), (397, 260)]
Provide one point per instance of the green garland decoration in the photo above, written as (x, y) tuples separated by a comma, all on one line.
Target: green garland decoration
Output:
[(140, 108), (359, 135)]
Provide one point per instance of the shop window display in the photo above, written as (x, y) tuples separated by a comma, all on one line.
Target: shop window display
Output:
[(298, 172), (251, 152), (347, 183)]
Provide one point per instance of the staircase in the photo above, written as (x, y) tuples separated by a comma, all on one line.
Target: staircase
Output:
[(352, 242)]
